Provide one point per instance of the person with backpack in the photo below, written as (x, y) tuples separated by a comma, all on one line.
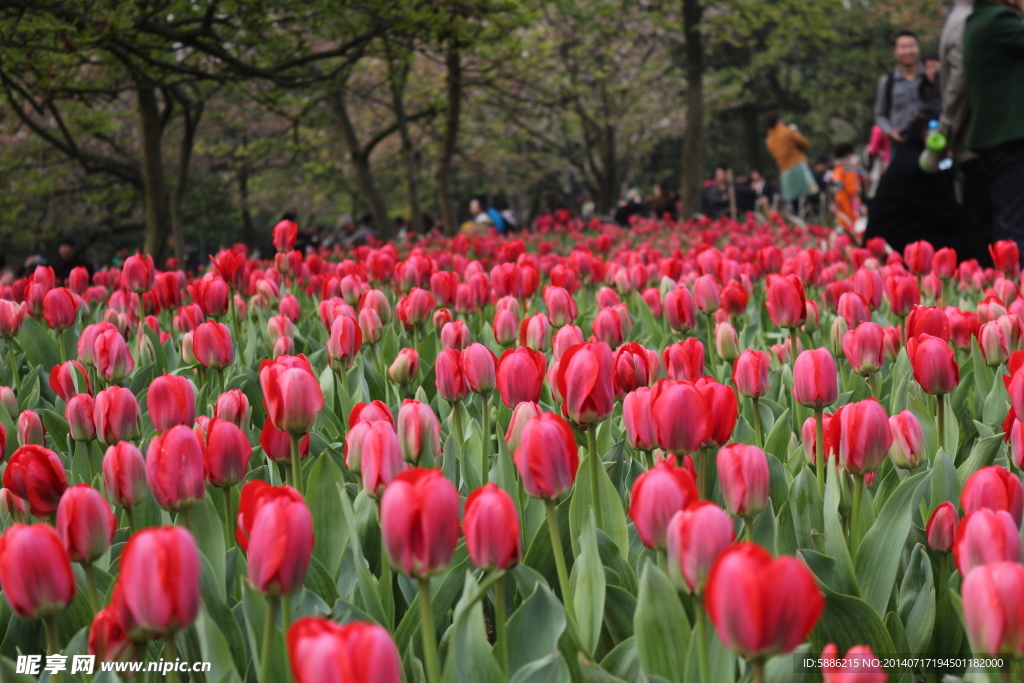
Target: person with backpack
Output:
[(899, 92)]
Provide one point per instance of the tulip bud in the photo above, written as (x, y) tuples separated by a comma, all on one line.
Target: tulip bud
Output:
[(863, 348), (280, 545), (9, 400), (233, 406), (993, 344), (992, 597), (12, 316), (419, 521), (226, 454), (375, 452), (344, 343), (995, 488), (785, 301), (684, 360), (491, 527), (983, 537), (117, 415), (291, 393), (370, 325), (172, 401), (404, 369), (175, 470), (723, 410), (585, 382), (813, 322), (370, 412), (59, 308), (108, 640), (30, 429), (110, 353), (69, 379), (85, 523), (520, 375), (277, 444), (815, 379), (158, 591), (535, 332), (79, 414), (727, 342), (941, 528), (419, 431), (505, 326), (561, 306), (743, 477), (636, 418), (521, 414), (860, 665), (750, 373), (907, 450), (479, 366), (566, 337), (547, 457), (449, 377), (212, 345), (680, 309), (356, 652), (892, 343), (35, 572), (696, 536), (657, 495), (124, 475), (669, 400), (37, 475)]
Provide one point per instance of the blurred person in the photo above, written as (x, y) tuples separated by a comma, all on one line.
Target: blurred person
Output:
[(898, 97), (357, 236), (632, 204), (994, 71), (789, 148), (486, 215), (715, 200), (67, 259), (845, 186), (121, 253), (930, 90), (971, 177)]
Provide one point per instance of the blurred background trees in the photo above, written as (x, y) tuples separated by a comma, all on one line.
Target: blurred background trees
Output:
[(172, 123)]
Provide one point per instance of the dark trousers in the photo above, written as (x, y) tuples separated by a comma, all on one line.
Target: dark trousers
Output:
[(974, 190), (1005, 166)]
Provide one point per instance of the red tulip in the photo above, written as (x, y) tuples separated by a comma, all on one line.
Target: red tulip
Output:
[(743, 477), (111, 356), (520, 375), (226, 453), (80, 416), (696, 536), (344, 343), (761, 606), (684, 360), (727, 342), (211, 295), (585, 383), (935, 367), (1005, 256), (652, 297), (633, 367), (918, 257), (607, 326), (117, 415), (993, 599), (175, 470), (853, 308), (253, 495), (374, 452), (521, 414), (284, 235), (995, 488), (405, 367), (864, 348), (37, 475), (370, 412), (172, 401), (419, 431), (357, 652), (868, 283), (860, 665), (535, 332), (723, 409), (233, 406), (280, 545), (941, 528), (279, 326), (449, 377), (561, 306), (908, 448), (786, 302), (479, 365), (12, 315), (815, 379), (419, 522), (993, 344), (962, 326), (671, 399), (291, 393), (108, 640), (277, 444), (864, 436), (159, 583), (59, 308), (680, 309), (547, 457), (568, 336), (35, 572), (491, 527), (657, 495), (138, 273), (232, 266), (750, 373), (636, 418), (212, 345), (85, 523), (69, 379), (414, 309), (124, 475), (505, 325), (944, 263), (983, 537), (30, 429), (928, 320)]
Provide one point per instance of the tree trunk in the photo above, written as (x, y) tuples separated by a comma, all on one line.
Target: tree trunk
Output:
[(608, 180), (192, 112), (360, 159), (248, 231), (398, 78), (693, 162), (751, 138), (453, 108), (154, 187)]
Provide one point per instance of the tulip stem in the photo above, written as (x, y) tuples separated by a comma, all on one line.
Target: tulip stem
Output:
[(748, 528), (220, 379), (941, 402), (501, 639), (703, 658), (855, 531), (269, 624), (819, 450), (757, 423), (129, 512), (52, 637), (171, 655), (559, 553), (296, 439), (873, 385), (286, 613), (485, 439), (711, 341), (757, 671), (90, 582), (183, 519), (229, 522), (429, 633), (595, 471), (794, 352), (457, 423), (60, 343)]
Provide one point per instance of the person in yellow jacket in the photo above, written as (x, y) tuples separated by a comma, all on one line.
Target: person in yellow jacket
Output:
[(789, 148)]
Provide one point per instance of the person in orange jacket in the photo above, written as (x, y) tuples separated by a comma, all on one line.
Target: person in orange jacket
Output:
[(845, 187)]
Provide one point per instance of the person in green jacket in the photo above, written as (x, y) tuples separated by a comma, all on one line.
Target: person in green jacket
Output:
[(994, 71)]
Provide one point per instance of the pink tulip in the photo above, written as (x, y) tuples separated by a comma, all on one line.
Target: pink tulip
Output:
[(419, 521), (696, 536), (743, 477)]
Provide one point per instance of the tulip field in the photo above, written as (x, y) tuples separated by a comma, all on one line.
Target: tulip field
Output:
[(728, 452)]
